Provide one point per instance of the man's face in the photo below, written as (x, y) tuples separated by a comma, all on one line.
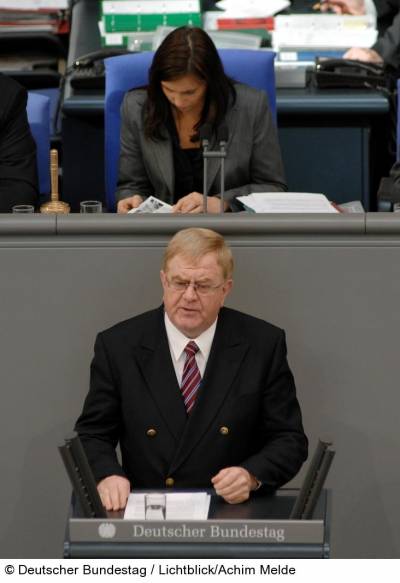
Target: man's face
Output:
[(193, 311)]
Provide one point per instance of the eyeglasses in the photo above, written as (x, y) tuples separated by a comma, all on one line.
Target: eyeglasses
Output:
[(203, 289)]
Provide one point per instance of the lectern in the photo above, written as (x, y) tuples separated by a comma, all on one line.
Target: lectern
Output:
[(257, 529), (285, 524)]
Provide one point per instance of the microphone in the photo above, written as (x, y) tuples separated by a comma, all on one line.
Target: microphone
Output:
[(222, 139), (205, 137)]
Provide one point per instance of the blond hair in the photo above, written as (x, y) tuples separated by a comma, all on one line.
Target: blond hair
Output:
[(196, 242)]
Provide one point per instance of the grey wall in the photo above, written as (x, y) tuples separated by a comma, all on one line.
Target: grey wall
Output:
[(332, 283)]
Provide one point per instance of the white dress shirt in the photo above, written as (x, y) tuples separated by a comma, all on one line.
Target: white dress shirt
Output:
[(178, 341)]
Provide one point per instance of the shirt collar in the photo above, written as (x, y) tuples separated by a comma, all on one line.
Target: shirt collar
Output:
[(178, 341)]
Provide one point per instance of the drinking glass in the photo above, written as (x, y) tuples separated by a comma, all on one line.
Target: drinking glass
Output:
[(91, 206), (154, 506), (23, 208)]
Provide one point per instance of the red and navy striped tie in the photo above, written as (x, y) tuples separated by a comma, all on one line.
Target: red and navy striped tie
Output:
[(191, 377)]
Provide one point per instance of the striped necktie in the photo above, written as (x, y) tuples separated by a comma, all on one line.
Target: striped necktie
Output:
[(191, 377)]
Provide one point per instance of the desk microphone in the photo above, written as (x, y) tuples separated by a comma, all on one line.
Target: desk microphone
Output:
[(222, 139), (205, 137)]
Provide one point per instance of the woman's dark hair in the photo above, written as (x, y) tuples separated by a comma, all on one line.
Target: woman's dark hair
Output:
[(186, 51)]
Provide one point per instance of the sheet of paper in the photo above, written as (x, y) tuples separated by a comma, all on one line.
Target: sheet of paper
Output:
[(323, 31), (135, 507), (251, 8), (187, 506), (34, 4), (167, 506), (287, 202), (152, 205)]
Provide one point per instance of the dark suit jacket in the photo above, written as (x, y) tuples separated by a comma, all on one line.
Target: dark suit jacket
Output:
[(253, 163), (18, 170), (388, 21), (247, 388)]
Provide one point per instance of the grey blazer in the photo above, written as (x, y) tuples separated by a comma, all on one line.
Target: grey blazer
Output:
[(253, 164), (388, 43)]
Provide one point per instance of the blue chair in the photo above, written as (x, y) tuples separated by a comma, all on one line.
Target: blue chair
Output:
[(38, 110), (256, 68)]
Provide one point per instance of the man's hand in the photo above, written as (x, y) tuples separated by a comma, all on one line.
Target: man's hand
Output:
[(126, 204), (366, 55), (234, 484), (354, 7), (114, 492), (193, 203)]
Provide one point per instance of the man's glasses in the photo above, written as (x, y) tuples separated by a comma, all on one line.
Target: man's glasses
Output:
[(203, 289)]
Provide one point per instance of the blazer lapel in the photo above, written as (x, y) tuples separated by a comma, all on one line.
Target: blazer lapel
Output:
[(154, 359), (161, 152), (214, 164), (226, 356)]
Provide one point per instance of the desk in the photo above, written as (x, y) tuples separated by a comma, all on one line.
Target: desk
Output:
[(333, 142), (302, 539)]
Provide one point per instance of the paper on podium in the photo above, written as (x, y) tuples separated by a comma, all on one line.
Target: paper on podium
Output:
[(287, 202), (178, 506)]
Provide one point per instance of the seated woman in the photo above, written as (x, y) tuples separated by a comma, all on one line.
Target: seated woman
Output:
[(18, 172), (160, 141)]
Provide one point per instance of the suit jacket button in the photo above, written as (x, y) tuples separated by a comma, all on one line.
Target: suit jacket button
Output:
[(151, 432), (224, 430), (169, 482)]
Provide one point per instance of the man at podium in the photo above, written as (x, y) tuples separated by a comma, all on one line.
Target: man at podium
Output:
[(197, 395)]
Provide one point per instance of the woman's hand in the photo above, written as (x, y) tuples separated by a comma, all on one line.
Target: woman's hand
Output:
[(193, 203), (126, 204)]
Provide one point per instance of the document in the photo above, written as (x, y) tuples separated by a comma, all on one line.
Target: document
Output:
[(34, 4), (287, 202), (168, 506), (152, 205), (251, 8), (323, 31)]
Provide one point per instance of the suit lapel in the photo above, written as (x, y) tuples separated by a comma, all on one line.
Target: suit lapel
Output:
[(214, 164), (227, 353), (154, 359), (161, 152)]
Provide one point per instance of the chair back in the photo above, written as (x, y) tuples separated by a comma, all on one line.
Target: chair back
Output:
[(255, 68), (38, 110)]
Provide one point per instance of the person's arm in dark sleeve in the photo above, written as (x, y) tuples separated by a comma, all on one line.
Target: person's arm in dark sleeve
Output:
[(388, 45), (99, 425), (282, 432), (132, 177), (18, 168), (266, 166)]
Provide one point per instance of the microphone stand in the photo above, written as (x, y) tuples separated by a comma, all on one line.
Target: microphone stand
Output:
[(205, 144), (222, 138)]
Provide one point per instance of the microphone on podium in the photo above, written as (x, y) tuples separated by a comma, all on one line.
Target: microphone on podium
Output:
[(205, 137), (222, 139)]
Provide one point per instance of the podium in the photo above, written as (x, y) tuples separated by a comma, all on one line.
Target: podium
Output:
[(257, 529)]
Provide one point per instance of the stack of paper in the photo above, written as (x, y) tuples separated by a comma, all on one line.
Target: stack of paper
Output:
[(33, 16), (323, 31), (287, 202), (178, 506)]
